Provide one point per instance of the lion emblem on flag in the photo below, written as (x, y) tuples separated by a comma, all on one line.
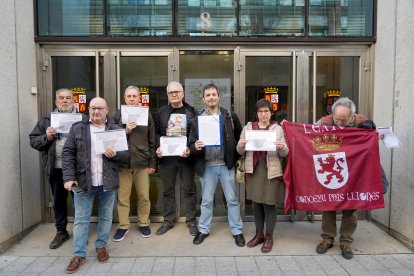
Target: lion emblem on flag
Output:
[(331, 169)]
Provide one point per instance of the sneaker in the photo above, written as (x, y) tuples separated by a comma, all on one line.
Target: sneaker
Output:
[(323, 247), (120, 234), (192, 227), (347, 251), (60, 238), (145, 231)]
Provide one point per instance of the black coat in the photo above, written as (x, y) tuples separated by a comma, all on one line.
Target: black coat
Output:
[(231, 129), (161, 123), (76, 158)]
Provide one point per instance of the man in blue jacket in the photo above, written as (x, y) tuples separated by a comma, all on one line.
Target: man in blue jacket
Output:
[(92, 175)]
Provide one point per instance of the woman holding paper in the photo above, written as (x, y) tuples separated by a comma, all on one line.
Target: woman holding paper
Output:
[(263, 171)]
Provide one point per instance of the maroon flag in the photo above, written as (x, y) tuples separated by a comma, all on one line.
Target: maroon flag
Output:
[(331, 168)]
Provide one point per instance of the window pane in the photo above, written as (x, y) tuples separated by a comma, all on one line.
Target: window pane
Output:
[(272, 17), (70, 18), (335, 77), (206, 17), (140, 17), (76, 74), (340, 17)]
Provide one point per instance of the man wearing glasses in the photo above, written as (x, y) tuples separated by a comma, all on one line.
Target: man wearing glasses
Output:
[(174, 120), (343, 115), (91, 175)]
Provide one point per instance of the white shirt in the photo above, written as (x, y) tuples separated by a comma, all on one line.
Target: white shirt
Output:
[(96, 159)]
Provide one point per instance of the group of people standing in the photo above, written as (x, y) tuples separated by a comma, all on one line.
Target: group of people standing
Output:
[(70, 161)]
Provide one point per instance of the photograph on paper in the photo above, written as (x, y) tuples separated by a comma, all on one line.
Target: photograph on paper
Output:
[(209, 130), (138, 114), (173, 145), (63, 121), (114, 139), (261, 140)]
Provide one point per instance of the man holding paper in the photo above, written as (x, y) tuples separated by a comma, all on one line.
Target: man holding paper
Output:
[(142, 162), (49, 142), (93, 175), (215, 161), (173, 121)]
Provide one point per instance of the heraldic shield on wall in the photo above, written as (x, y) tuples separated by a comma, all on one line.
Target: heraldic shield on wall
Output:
[(332, 168)]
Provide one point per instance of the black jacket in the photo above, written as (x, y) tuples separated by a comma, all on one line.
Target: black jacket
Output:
[(161, 123), (38, 141), (76, 158), (141, 144), (231, 129)]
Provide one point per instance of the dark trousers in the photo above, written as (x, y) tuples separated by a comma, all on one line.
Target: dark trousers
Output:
[(348, 226), (60, 195), (264, 213), (169, 169)]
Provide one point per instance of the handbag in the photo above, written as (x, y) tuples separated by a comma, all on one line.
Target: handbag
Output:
[(240, 170)]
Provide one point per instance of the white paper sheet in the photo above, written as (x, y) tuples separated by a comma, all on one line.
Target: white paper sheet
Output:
[(260, 140), (173, 145), (114, 139), (209, 131), (63, 121), (138, 114), (390, 140)]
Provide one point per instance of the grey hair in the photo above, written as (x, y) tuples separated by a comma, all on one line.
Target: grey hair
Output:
[(175, 83), (345, 101), (131, 87), (63, 90)]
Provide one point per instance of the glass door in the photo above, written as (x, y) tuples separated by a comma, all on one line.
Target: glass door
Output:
[(198, 68), (78, 72), (266, 75), (151, 72)]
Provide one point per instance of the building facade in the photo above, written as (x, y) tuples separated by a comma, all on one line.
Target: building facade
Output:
[(298, 53)]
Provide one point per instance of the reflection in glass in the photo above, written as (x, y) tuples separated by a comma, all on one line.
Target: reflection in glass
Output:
[(271, 17), (70, 18), (333, 74), (140, 17), (341, 18), (262, 73), (206, 18)]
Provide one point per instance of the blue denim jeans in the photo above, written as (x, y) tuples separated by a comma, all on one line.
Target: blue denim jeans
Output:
[(83, 209), (209, 181)]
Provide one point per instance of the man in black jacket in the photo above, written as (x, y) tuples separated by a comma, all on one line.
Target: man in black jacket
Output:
[(174, 120), (45, 139), (217, 163), (93, 175)]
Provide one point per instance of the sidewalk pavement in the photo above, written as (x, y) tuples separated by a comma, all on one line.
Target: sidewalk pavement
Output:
[(375, 253)]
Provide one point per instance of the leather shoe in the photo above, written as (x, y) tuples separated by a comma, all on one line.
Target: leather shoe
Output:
[(199, 237), (102, 255), (74, 264), (239, 240), (163, 229)]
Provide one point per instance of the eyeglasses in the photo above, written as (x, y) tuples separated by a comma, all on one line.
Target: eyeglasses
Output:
[(173, 93), (94, 108)]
